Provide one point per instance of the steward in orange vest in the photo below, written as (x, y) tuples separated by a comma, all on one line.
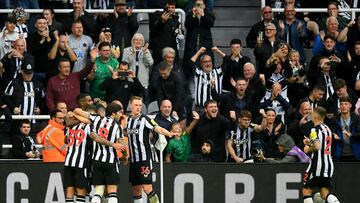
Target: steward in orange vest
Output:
[(53, 139)]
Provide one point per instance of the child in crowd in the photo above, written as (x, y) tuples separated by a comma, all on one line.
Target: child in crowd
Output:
[(179, 147), (21, 17)]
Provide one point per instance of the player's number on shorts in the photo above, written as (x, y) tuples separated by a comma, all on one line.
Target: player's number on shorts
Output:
[(77, 135), (328, 145), (103, 132)]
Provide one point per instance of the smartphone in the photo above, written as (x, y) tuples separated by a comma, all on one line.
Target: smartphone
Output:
[(123, 74), (198, 5), (260, 35)]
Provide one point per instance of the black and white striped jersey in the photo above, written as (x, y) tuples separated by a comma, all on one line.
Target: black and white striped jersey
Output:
[(321, 162), (203, 84), (241, 139), (110, 130), (24, 94), (79, 143), (138, 130)]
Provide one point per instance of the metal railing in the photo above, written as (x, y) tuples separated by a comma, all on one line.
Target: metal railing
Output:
[(182, 14), (316, 10)]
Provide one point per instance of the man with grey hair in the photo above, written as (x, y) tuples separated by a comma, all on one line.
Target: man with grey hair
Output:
[(204, 76), (168, 55), (256, 82)]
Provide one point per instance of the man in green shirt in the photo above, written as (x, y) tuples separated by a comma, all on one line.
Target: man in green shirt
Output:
[(105, 64)]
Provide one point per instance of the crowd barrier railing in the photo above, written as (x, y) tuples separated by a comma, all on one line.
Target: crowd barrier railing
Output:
[(181, 12)]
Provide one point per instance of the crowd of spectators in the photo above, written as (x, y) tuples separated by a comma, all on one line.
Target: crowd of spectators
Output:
[(241, 107)]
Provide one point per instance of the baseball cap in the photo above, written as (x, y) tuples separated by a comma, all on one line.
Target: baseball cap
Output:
[(106, 29), (28, 65), (119, 2)]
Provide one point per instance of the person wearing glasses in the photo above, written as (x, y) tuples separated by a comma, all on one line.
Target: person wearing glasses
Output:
[(258, 28), (53, 139)]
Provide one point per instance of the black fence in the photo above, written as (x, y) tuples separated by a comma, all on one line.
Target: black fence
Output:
[(198, 183)]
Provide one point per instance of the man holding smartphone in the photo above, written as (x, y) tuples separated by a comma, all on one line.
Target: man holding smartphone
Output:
[(198, 24), (164, 28), (119, 87)]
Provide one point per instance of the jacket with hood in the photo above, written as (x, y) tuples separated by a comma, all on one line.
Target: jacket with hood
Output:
[(294, 153)]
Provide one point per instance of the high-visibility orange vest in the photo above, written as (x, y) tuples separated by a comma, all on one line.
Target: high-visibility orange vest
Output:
[(53, 140)]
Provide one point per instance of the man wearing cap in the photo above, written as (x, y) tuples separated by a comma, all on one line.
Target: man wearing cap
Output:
[(8, 36), (25, 95), (123, 24)]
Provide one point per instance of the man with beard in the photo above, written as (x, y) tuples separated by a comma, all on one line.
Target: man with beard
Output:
[(212, 126)]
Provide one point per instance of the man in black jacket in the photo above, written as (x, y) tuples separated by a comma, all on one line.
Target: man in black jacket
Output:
[(25, 95), (39, 45), (265, 47), (23, 143), (119, 87), (212, 126), (164, 27), (79, 14), (258, 29), (170, 86), (123, 24), (232, 103)]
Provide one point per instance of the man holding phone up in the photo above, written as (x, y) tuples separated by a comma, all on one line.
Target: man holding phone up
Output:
[(119, 87), (198, 24), (39, 44)]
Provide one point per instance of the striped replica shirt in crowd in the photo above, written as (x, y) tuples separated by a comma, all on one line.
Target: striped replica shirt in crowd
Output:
[(79, 142), (241, 139), (203, 84), (276, 78), (23, 95), (321, 162), (110, 130), (138, 130)]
